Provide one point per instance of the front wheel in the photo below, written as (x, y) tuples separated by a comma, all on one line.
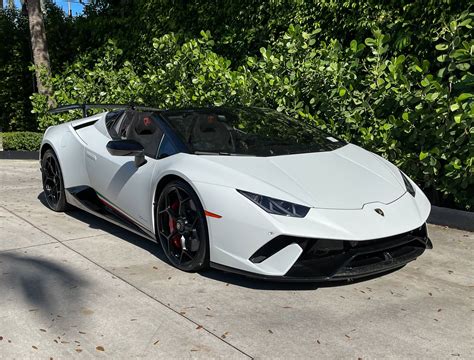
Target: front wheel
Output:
[(53, 185), (182, 227)]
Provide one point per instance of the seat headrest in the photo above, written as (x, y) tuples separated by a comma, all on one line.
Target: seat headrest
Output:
[(210, 134), (145, 125)]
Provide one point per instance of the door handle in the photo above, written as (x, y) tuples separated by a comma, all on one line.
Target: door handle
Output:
[(91, 155)]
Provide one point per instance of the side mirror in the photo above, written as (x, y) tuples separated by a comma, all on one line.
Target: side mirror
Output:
[(127, 148)]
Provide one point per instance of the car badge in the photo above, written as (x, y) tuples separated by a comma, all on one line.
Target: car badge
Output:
[(379, 211)]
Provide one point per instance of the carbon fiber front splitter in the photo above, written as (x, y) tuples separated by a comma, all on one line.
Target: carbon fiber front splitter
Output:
[(325, 260)]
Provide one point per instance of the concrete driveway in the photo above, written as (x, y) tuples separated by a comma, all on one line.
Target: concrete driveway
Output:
[(72, 285)]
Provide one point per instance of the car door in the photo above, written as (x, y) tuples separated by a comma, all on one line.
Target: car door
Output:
[(119, 183)]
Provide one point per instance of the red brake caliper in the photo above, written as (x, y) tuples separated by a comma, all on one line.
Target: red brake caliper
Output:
[(176, 239)]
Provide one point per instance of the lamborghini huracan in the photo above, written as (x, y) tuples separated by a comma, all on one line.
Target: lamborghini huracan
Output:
[(242, 189)]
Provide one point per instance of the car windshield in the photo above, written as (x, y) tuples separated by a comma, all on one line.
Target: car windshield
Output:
[(247, 131)]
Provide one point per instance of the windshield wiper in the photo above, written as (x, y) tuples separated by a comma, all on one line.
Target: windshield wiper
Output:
[(219, 153), (211, 153)]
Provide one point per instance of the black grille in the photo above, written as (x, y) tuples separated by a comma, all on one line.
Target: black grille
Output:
[(335, 259)]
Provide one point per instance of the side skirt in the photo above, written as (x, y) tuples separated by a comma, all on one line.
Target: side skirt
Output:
[(87, 199)]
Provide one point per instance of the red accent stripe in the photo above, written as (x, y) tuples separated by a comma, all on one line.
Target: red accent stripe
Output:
[(211, 214), (116, 210)]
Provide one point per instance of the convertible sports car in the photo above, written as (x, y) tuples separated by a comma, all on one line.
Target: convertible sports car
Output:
[(247, 190)]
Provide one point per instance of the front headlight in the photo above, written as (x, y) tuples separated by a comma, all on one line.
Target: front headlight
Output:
[(275, 206), (408, 185)]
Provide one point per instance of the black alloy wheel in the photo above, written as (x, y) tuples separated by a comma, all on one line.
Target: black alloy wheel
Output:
[(53, 185), (182, 227)]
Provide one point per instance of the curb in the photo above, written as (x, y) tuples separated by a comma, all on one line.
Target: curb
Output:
[(457, 219), (19, 155)]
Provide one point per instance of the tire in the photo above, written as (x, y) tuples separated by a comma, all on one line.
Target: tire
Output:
[(182, 227), (53, 184)]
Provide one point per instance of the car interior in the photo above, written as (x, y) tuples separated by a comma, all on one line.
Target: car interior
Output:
[(210, 134), (138, 126)]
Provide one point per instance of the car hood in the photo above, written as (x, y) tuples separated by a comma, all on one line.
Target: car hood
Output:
[(346, 178)]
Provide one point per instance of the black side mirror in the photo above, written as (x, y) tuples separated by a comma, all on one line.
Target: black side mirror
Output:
[(127, 148)]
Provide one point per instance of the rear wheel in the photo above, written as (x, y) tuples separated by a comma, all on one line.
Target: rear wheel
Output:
[(53, 184), (182, 227)]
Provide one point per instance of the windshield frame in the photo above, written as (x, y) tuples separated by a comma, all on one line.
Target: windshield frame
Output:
[(331, 142)]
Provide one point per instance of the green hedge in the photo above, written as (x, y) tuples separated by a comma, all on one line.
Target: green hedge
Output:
[(22, 140)]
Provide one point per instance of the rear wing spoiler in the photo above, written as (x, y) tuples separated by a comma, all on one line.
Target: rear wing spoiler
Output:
[(86, 107)]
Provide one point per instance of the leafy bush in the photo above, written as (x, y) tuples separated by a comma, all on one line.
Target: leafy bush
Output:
[(22, 140), (241, 28), (418, 113)]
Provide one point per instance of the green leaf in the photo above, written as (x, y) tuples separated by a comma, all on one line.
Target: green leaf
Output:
[(453, 25), (342, 92), (353, 45), (463, 66), (458, 53), (423, 155), (454, 107), (432, 96), (441, 47), (456, 164), (441, 72), (464, 96), (466, 22), (400, 59), (369, 41)]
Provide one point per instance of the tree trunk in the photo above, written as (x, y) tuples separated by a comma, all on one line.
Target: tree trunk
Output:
[(39, 45)]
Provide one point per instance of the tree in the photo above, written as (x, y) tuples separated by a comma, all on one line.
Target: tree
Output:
[(39, 44)]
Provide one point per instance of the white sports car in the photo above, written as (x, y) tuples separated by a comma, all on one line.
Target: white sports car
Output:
[(247, 190)]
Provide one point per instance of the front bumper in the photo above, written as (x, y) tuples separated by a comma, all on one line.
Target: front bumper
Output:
[(341, 260)]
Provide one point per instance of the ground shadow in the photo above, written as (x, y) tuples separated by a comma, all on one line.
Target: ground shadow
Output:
[(134, 239), (92, 221), (255, 283), (98, 223), (43, 284)]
